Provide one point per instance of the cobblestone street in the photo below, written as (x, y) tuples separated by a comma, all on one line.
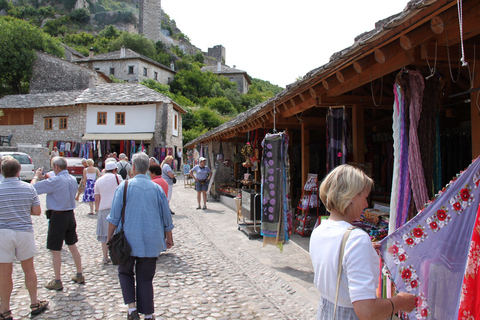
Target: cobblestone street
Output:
[(213, 272)]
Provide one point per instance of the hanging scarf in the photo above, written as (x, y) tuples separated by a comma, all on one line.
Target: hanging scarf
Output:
[(397, 136), (273, 189), (428, 255), (336, 138), (416, 87)]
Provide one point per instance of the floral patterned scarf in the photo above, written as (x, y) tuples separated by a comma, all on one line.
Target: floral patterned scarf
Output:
[(428, 256)]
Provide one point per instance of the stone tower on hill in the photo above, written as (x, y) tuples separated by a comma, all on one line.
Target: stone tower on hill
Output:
[(150, 18)]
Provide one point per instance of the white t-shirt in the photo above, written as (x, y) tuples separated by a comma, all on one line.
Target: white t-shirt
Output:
[(359, 278), (105, 187)]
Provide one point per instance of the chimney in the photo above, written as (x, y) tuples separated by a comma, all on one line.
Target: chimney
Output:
[(91, 53), (172, 65), (234, 66), (122, 52), (219, 66)]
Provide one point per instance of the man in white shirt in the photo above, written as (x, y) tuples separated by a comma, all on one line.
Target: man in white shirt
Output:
[(104, 191)]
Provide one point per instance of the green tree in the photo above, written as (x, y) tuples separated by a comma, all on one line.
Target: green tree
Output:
[(18, 42), (135, 42), (80, 15), (222, 105), (193, 84)]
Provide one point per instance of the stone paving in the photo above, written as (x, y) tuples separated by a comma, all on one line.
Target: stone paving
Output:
[(213, 272)]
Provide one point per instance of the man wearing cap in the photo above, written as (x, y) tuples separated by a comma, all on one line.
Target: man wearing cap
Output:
[(104, 191), (202, 177)]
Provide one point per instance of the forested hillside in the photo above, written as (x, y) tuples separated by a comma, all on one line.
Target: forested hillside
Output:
[(106, 25)]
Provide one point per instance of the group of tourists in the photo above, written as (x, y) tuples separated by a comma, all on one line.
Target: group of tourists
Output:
[(146, 211)]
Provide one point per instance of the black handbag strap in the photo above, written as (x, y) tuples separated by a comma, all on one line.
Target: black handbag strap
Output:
[(124, 202)]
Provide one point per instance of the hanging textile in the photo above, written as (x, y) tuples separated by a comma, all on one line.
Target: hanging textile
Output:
[(274, 189), (470, 298), (336, 138), (397, 136), (416, 87), (428, 255)]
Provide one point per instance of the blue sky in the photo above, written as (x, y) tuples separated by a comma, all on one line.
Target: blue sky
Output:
[(278, 40)]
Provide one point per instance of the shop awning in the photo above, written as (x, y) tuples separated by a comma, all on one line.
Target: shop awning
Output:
[(146, 136)]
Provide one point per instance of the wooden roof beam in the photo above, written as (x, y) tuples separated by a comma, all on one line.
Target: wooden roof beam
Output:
[(342, 100), (378, 70), (440, 53), (307, 104)]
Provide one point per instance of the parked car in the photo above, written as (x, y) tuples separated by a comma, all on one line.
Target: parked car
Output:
[(28, 170), (75, 167)]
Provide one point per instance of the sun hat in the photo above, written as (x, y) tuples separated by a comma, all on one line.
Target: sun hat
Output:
[(111, 165), (202, 159)]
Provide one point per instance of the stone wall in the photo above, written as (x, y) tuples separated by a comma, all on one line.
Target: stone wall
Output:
[(149, 22), (51, 74), (163, 136), (36, 133), (218, 52)]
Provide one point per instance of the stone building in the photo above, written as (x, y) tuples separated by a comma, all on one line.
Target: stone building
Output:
[(239, 76), (73, 103), (128, 65)]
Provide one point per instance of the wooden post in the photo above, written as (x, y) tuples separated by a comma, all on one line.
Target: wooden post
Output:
[(358, 134), (305, 152), (475, 116)]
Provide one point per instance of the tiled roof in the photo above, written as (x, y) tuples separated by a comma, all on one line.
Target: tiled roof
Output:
[(50, 99), (73, 51), (381, 27), (120, 93), (223, 70), (109, 93), (115, 55)]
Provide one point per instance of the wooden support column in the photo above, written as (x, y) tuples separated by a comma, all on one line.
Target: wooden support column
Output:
[(305, 152), (358, 134), (475, 115)]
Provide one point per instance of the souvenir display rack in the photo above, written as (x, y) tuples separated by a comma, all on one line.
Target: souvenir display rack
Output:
[(307, 209)]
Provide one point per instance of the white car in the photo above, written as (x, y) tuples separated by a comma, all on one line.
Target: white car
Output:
[(28, 170)]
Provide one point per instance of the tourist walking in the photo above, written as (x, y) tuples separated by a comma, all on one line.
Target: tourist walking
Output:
[(104, 190), (81, 185), (168, 175), (202, 174), (344, 193), (18, 202), (124, 168), (148, 229), (90, 175), (62, 225), (156, 176)]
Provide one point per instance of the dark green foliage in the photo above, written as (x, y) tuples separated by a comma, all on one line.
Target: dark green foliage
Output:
[(135, 42), (80, 15), (5, 4), (18, 42), (69, 4), (222, 105)]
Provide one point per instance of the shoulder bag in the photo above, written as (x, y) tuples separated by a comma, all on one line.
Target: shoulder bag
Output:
[(340, 259), (118, 246)]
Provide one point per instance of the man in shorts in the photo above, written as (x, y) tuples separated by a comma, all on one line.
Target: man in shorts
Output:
[(18, 201), (60, 190)]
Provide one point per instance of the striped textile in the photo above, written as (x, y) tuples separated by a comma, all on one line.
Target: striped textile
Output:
[(419, 188), (16, 201), (326, 308)]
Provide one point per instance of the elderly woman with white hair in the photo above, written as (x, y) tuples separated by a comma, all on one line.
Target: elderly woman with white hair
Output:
[(344, 193), (148, 229)]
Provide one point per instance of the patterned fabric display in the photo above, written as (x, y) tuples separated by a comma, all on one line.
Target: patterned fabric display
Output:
[(470, 298), (274, 186), (428, 255)]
